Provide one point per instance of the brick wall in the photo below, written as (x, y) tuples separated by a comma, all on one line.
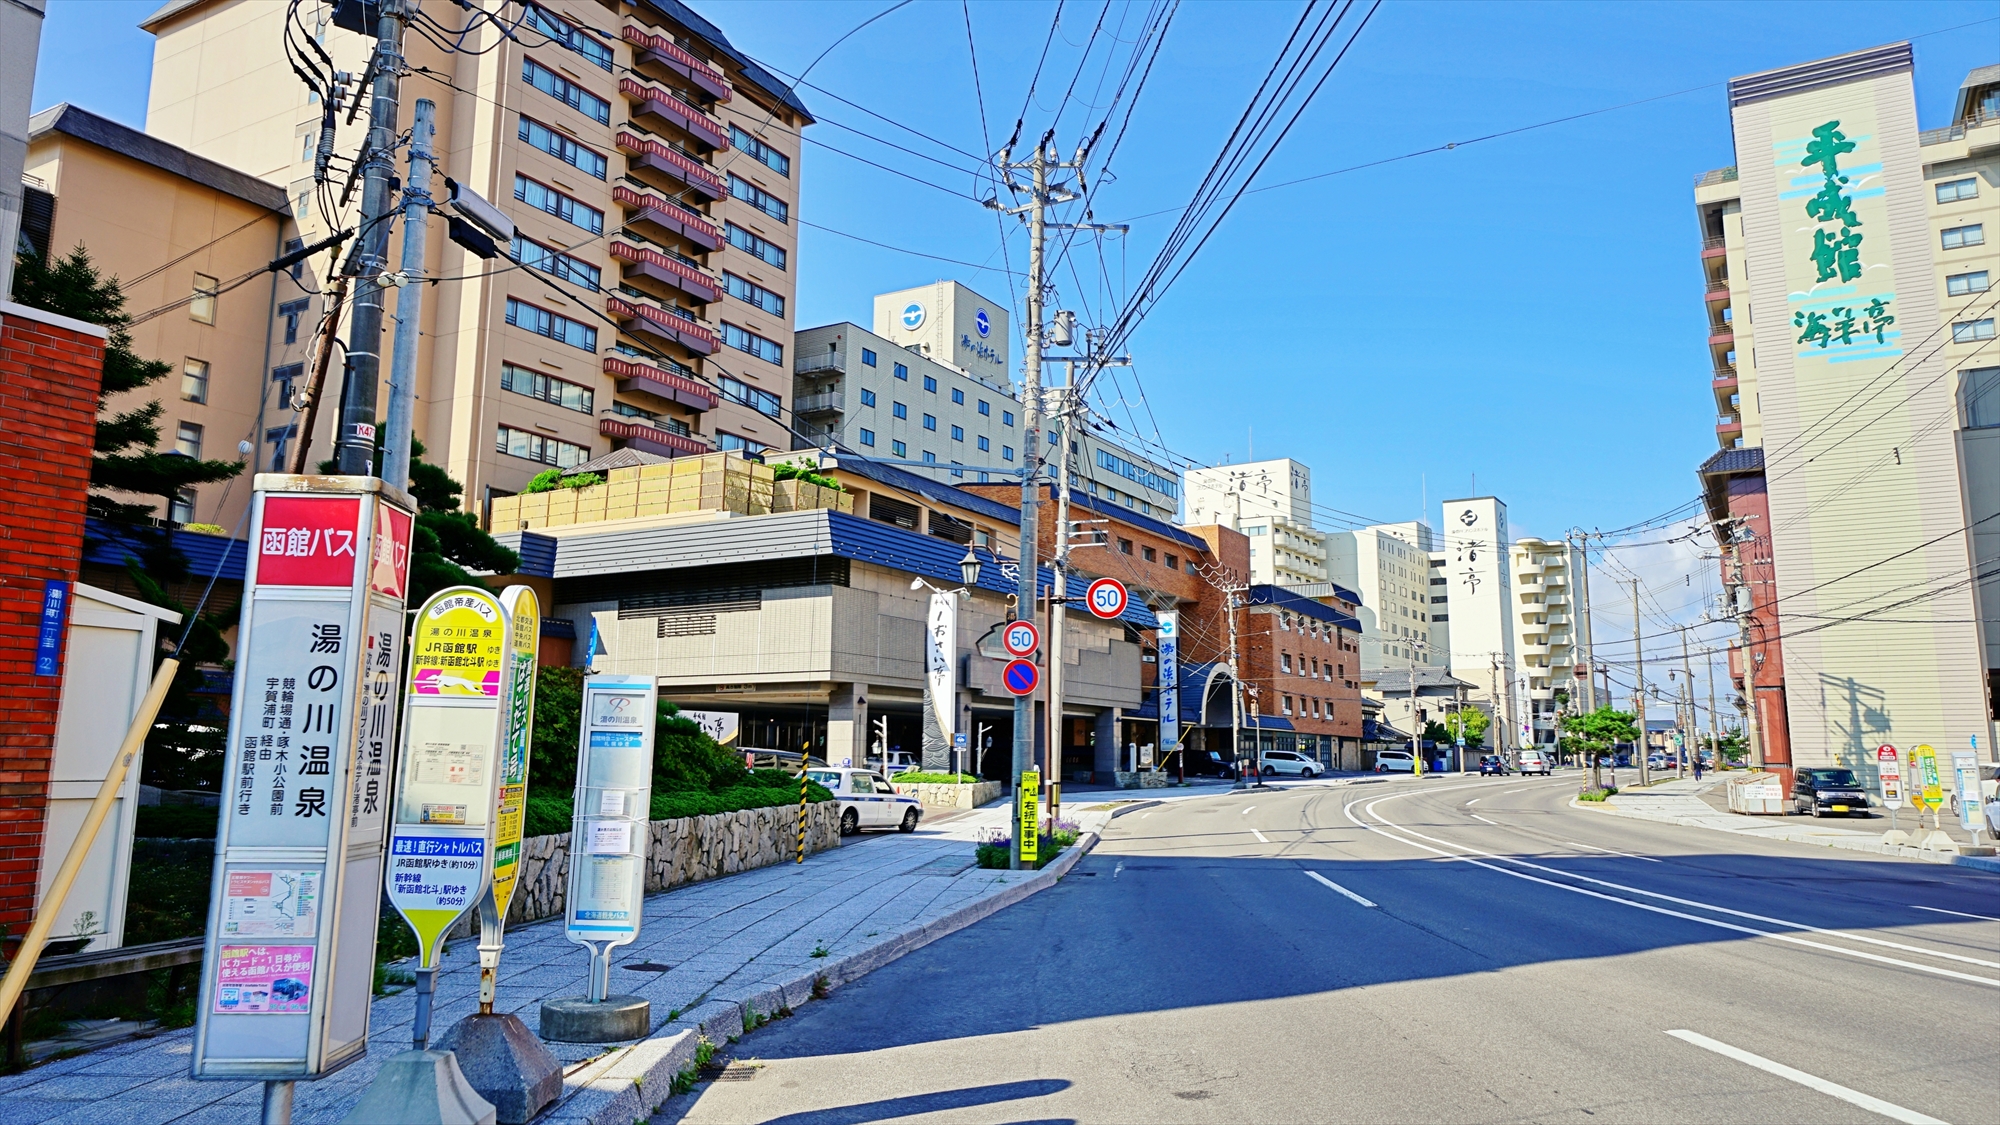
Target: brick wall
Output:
[(50, 367)]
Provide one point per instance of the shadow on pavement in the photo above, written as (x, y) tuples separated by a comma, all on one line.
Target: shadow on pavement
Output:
[(890, 1108)]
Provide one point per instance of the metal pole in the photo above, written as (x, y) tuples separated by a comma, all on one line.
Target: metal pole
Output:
[(1639, 688), (1687, 694), (1058, 564), (1590, 634), (278, 1101), (1746, 603), (354, 439), (1031, 410), (1235, 693), (1711, 706), (409, 302)]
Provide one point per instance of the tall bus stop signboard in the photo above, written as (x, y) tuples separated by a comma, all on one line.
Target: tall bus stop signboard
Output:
[(289, 965)]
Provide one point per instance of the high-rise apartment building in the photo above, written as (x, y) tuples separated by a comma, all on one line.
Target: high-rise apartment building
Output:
[(1271, 502), (651, 170), (1479, 581), (1860, 428), (1390, 566), (1549, 629)]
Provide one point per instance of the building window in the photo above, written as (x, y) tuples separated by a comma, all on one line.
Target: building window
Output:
[(1286, 660), (1006, 417), (555, 263), (737, 391), (898, 449), (586, 160), (548, 199), (929, 457), (1149, 554), (1288, 704), (958, 468), (985, 408), (1006, 453), (1966, 284), (751, 293), (760, 152), (1979, 396), (547, 388), (868, 438), (293, 245), (985, 445), (724, 440), (958, 433), (194, 380), (930, 384), (930, 421), (187, 440), (766, 252), (899, 410), (1951, 191), (540, 447), (542, 322), (867, 397), (770, 351), (1173, 563), (283, 376), (565, 91), (1124, 546), (903, 373), (569, 35), (958, 396), (181, 508), (1967, 331), (740, 188), (868, 357), (1958, 238), (292, 311), (201, 307)]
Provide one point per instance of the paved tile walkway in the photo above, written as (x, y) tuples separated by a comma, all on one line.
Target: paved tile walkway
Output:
[(728, 940)]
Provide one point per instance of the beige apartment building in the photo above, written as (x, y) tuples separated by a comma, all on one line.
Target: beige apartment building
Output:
[(1859, 420), (1390, 566), (1550, 632), (651, 171)]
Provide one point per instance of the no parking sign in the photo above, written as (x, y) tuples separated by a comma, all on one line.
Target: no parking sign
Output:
[(1106, 598)]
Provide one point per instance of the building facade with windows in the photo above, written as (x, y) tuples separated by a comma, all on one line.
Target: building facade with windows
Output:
[(1549, 631), (1389, 565), (651, 171), (1271, 502), (1860, 463), (1479, 583)]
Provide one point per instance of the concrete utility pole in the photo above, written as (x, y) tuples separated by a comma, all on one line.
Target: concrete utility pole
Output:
[(1235, 690), (1639, 690), (1687, 695), (1499, 735), (1583, 619), (354, 439), (1745, 601), (1711, 707), (410, 302), (1058, 564)]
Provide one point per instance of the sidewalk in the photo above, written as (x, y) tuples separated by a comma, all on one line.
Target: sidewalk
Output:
[(1690, 803), (740, 947)]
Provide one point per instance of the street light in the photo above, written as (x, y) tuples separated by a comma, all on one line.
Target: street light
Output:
[(968, 568)]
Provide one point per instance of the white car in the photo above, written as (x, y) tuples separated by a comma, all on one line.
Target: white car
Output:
[(1394, 761), (1289, 762), (867, 800), (1532, 761)]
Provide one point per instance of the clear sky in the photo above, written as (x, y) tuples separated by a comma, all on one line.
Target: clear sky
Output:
[(1526, 309)]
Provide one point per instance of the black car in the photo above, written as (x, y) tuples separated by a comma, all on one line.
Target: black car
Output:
[(1492, 764), (1818, 792)]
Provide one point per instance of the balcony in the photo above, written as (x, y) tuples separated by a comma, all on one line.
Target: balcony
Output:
[(652, 49), (1555, 580), (1723, 384), (1722, 333), (656, 103), (1716, 176), (646, 261), (646, 319), (826, 402), (663, 219), (645, 154), (1717, 290), (1555, 598), (1714, 246), (1728, 425), (647, 438), (674, 386), (817, 362)]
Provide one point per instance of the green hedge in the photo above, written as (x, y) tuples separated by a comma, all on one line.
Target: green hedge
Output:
[(919, 777), (550, 816), (182, 822)]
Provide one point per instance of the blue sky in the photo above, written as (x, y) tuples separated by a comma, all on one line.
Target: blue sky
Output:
[(1525, 309)]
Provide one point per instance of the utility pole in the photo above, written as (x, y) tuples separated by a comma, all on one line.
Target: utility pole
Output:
[(1583, 619), (354, 438), (1687, 694), (409, 302), (1745, 601), (306, 401), (1499, 735), (1058, 594), (1639, 690), (1235, 690), (1711, 708)]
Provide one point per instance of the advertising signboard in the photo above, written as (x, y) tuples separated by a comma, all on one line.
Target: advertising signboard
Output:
[(1924, 781), (288, 969), (610, 829), (1170, 683), (1965, 782), (940, 661), (1030, 825), (1890, 770)]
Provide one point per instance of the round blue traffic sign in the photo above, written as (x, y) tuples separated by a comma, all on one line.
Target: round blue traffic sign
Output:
[(982, 322), (1021, 677)]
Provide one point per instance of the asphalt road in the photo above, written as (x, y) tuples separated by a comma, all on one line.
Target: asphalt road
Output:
[(1451, 949)]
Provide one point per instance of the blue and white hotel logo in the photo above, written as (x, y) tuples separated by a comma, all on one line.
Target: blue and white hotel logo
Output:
[(913, 316), (980, 321)]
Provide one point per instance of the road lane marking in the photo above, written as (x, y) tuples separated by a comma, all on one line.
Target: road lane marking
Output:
[(1116, 870), (1261, 838), (1787, 938), (1511, 792), (1476, 816), (1246, 812), (1958, 913), (1144, 815), (1608, 851), (1472, 802), (1323, 880), (1811, 1082)]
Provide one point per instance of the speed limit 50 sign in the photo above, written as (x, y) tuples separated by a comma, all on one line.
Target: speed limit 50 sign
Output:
[(1020, 638), (1106, 598)]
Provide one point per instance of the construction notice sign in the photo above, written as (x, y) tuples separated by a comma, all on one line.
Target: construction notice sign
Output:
[(1030, 824)]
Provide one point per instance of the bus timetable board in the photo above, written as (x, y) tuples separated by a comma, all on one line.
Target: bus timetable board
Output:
[(611, 825), (289, 965)]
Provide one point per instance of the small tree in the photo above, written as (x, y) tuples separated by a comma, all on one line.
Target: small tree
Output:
[(1732, 747), (1596, 735)]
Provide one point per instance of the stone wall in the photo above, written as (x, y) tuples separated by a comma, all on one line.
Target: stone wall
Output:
[(680, 852), (953, 796)]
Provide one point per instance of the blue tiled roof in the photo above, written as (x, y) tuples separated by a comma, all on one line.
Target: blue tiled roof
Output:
[(109, 545), (538, 552), (1304, 606), (934, 491), (1268, 722)]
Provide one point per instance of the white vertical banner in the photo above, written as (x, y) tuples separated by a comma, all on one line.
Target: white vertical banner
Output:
[(940, 651), (1170, 682)]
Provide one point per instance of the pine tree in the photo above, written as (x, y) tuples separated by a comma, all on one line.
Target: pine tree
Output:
[(125, 459)]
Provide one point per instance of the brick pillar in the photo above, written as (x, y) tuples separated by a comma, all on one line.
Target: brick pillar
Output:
[(50, 369)]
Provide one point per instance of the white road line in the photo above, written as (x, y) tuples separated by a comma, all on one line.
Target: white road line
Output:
[(1115, 871), (1472, 802), (1246, 812), (1476, 816), (1510, 792), (1144, 815), (1956, 913), (1831, 1089), (1608, 851), (1319, 878), (1261, 838), (1788, 938)]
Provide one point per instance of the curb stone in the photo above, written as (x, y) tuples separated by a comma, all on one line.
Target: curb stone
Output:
[(628, 1083), (1975, 862)]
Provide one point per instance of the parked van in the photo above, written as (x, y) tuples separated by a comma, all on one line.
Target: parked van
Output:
[(1395, 761)]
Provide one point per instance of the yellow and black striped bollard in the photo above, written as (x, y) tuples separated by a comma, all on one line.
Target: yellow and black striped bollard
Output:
[(802, 809)]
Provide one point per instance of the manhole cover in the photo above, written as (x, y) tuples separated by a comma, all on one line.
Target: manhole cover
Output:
[(734, 1072)]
